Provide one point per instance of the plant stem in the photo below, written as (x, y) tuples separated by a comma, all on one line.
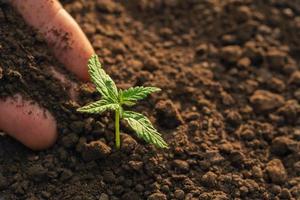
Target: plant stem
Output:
[(117, 127)]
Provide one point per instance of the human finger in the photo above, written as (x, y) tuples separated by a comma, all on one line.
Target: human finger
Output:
[(27, 122)]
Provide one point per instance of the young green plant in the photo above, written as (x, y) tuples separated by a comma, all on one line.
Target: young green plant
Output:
[(114, 99)]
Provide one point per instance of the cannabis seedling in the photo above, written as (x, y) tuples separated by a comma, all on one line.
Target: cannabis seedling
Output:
[(114, 99)]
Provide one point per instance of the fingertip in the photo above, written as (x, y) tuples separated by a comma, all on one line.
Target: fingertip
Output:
[(37, 13), (28, 123), (62, 33), (69, 43)]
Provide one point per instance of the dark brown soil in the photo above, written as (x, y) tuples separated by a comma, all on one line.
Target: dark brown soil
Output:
[(229, 106)]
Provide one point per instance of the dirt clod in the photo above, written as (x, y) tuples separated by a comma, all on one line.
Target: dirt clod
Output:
[(95, 150), (231, 53), (70, 140), (265, 100), (276, 59), (108, 6), (131, 195), (276, 171), (103, 196), (136, 165), (209, 179), (3, 182), (109, 177), (128, 143), (1, 72), (37, 172), (77, 126), (168, 114), (295, 78), (179, 194), (281, 146), (157, 196), (66, 174), (290, 110), (181, 165)]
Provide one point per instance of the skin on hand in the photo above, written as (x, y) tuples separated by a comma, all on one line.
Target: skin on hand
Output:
[(27, 122), (64, 36)]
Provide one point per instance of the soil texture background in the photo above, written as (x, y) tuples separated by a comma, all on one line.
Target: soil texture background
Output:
[(229, 106)]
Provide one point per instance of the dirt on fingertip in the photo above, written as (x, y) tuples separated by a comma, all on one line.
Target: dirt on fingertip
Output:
[(229, 106)]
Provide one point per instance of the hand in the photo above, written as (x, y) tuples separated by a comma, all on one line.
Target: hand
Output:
[(19, 118)]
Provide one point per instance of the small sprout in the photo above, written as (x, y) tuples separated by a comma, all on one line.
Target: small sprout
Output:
[(114, 98)]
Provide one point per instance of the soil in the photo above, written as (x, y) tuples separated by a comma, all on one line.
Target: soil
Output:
[(229, 106)]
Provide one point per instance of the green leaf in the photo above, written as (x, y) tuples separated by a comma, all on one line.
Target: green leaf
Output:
[(104, 84), (131, 95), (144, 129), (99, 107)]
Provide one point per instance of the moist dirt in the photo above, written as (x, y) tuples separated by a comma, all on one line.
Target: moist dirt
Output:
[(229, 106)]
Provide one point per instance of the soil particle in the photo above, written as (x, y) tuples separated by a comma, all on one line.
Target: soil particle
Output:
[(209, 179), (179, 194), (103, 196), (294, 79), (276, 84), (151, 64), (290, 110), (157, 196), (168, 114), (285, 194), (165, 189), (233, 117), (45, 194), (257, 172), (3, 182), (276, 59), (109, 177), (131, 195), (201, 49), (108, 6), (181, 165), (70, 140), (244, 62), (245, 132), (66, 174), (1, 72), (139, 187), (118, 48), (77, 126), (297, 94), (253, 52), (128, 143), (81, 144), (265, 100), (95, 150), (37, 173), (243, 13), (136, 165), (135, 64), (297, 167), (295, 190), (231, 53), (281, 146), (276, 171)]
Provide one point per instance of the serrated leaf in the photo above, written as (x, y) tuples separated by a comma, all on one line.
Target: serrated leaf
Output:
[(99, 107), (131, 95), (104, 84), (144, 128)]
